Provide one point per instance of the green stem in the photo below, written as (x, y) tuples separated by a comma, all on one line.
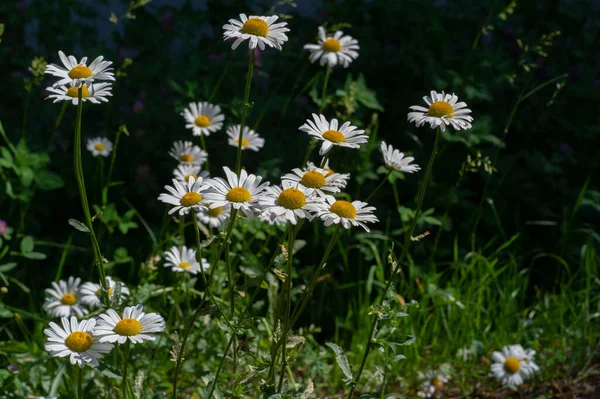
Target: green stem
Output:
[(57, 124), (125, 362), (324, 90), (380, 185), (218, 84), (288, 302), (405, 249), (110, 169), (238, 162), (79, 382), (203, 144)]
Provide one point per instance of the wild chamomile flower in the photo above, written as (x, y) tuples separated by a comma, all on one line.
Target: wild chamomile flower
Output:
[(90, 292), (433, 381), (134, 325), (250, 139), (78, 72), (184, 171), (99, 146), (203, 118), (333, 50), (258, 30), (443, 110), (184, 260), (241, 192), (76, 340), (187, 152), (65, 299), (215, 216), (185, 196), (94, 93), (290, 202), (354, 213), (395, 159), (513, 365), (322, 181), (346, 136)]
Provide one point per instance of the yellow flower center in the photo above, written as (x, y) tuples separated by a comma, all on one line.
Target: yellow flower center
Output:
[(188, 177), (80, 72), (238, 194), (79, 341), (313, 179), (74, 92), (292, 198), (344, 209), (202, 121), (332, 45), (441, 109), (334, 136), (437, 383), (68, 299), (185, 265), (99, 290), (190, 199), (244, 142), (512, 365), (99, 147), (186, 158), (128, 327), (329, 172), (215, 211), (256, 27)]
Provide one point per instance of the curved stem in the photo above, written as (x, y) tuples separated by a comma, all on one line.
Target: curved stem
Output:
[(110, 169), (380, 185), (238, 162), (324, 90), (57, 124)]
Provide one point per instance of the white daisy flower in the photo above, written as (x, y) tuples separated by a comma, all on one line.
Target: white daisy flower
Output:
[(291, 202), (513, 365), (443, 110), (65, 299), (333, 50), (135, 325), (203, 118), (259, 30), (433, 381), (76, 340), (94, 93), (184, 171), (185, 196), (187, 152), (346, 136), (184, 260), (90, 292), (241, 192), (250, 139), (99, 146), (78, 72), (395, 159), (354, 213), (342, 180), (215, 216), (319, 179)]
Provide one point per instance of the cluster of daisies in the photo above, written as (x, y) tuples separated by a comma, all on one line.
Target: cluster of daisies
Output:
[(512, 366), (88, 340)]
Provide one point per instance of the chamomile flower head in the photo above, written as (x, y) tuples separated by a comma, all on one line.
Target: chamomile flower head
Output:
[(92, 92), (396, 160), (185, 196), (336, 49), (65, 299), (185, 171), (184, 260), (187, 152), (134, 325), (319, 179), (346, 136), (442, 110), (241, 192), (79, 72), (91, 293), (203, 118), (513, 365), (347, 213), (260, 31), (215, 216), (76, 340), (250, 139), (342, 179), (99, 146), (432, 382), (290, 201)]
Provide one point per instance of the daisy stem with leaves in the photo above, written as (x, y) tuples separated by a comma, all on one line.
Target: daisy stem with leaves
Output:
[(84, 201), (125, 362), (407, 242), (238, 162)]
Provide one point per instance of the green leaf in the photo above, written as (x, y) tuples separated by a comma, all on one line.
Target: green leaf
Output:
[(35, 255), (366, 96), (7, 267), (341, 360), (27, 244), (78, 225), (48, 180), (109, 371), (13, 347)]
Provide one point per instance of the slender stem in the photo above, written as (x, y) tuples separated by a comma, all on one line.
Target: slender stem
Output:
[(405, 249), (238, 162), (203, 144), (57, 123), (324, 90), (79, 382), (541, 86), (380, 185), (288, 302), (110, 169), (125, 362), (25, 112), (218, 84)]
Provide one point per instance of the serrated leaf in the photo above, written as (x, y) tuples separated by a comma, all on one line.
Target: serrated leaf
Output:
[(341, 360), (27, 244), (78, 225)]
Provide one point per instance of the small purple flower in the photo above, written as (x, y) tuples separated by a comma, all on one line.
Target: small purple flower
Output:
[(3, 227), (565, 148)]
